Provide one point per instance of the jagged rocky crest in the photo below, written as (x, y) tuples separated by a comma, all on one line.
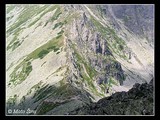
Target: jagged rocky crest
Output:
[(137, 101)]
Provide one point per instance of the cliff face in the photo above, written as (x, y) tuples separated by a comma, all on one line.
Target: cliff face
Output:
[(63, 57)]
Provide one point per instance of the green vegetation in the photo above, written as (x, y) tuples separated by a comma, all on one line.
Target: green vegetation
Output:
[(43, 92), (35, 87), (33, 22), (112, 81), (56, 14), (8, 18), (10, 8), (39, 90), (52, 44), (58, 36), (103, 30), (51, 8), (103, 87), (120, 47), (62, 82), (61, 32), (90, 83), (42, 53), (89, 69), (60, 95), (23, 99), (45, 107), (60, 24), (117, 45), (12, 100), (28, 12), (63, 92), (15, 45), (57, 52), (18, 76), (15, 41), (51, 48)]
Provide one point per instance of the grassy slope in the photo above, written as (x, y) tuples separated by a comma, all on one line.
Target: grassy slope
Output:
[(28, 12), (52, 45)]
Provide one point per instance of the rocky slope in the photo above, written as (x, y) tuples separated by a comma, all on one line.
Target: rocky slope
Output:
[(137, 101), (63, 57)]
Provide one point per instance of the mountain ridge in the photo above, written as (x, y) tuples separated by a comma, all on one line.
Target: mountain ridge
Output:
[(73, 55)]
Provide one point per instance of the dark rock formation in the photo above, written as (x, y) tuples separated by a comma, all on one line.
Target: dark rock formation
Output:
[(137, 101)]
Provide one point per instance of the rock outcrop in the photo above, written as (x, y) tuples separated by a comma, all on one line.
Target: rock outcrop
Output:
[(137, 101)]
